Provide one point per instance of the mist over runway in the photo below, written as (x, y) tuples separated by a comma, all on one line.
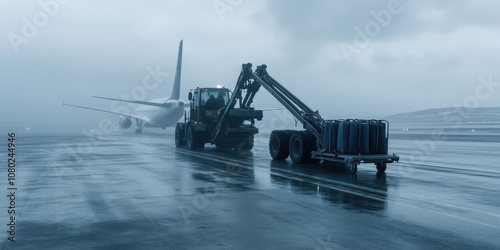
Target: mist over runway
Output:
[(139, 191)]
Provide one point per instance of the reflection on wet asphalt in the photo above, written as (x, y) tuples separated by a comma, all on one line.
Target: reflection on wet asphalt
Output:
[(139, 191)]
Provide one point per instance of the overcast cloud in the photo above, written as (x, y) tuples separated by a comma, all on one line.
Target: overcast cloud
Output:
[(428, 55)]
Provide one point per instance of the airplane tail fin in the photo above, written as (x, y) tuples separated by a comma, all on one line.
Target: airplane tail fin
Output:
[(177, 81)]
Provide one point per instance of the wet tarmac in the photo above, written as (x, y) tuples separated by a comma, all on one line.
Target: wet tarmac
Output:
[(125, 191)]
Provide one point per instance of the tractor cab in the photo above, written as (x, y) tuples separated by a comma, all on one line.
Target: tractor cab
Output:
[(206, 103)]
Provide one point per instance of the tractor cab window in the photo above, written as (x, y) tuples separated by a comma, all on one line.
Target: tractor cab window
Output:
[(214, 99), (195, 99)]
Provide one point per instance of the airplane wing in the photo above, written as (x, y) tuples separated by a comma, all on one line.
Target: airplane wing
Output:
[(144, 118), (161, 105)]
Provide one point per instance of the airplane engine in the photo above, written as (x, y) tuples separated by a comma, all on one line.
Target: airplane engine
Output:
[(125, 122)]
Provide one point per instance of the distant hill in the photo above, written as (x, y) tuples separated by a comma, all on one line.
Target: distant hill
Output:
[(449, 115)]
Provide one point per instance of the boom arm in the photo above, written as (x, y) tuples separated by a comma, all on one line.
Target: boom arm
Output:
[(310, 119), (251, 82)]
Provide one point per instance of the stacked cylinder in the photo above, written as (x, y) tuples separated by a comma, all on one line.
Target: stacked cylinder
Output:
[(354, 136)]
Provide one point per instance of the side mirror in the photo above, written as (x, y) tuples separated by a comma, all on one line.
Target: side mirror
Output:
[(190, 96)]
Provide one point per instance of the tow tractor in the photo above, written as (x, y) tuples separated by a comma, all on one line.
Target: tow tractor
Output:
[(213, 118)]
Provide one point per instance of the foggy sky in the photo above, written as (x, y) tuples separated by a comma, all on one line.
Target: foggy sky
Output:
[(426, 55)]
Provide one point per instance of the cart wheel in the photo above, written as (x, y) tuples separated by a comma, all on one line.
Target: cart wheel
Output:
[(352, 167), (381, 167), (302, 143)]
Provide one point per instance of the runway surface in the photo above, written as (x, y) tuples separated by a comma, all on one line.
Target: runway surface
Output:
[(124, 190)]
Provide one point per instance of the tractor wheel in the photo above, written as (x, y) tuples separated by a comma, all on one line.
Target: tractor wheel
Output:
[(278, 144), (194, 140), (302, 143), (180, 139), (381, 167), (245, 145)]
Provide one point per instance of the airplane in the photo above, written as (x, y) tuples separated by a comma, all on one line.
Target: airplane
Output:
[(160, 113)]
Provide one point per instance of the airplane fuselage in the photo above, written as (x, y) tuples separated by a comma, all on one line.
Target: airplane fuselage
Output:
[(161, 117)]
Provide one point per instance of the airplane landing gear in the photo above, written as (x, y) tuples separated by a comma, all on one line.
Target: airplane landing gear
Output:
[(140, 123)]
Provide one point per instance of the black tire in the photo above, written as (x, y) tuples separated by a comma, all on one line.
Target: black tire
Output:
[(352, 167), (180, 139), (381, 167), (302, 143), (278, 144), (193, 139), (245, 145)]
